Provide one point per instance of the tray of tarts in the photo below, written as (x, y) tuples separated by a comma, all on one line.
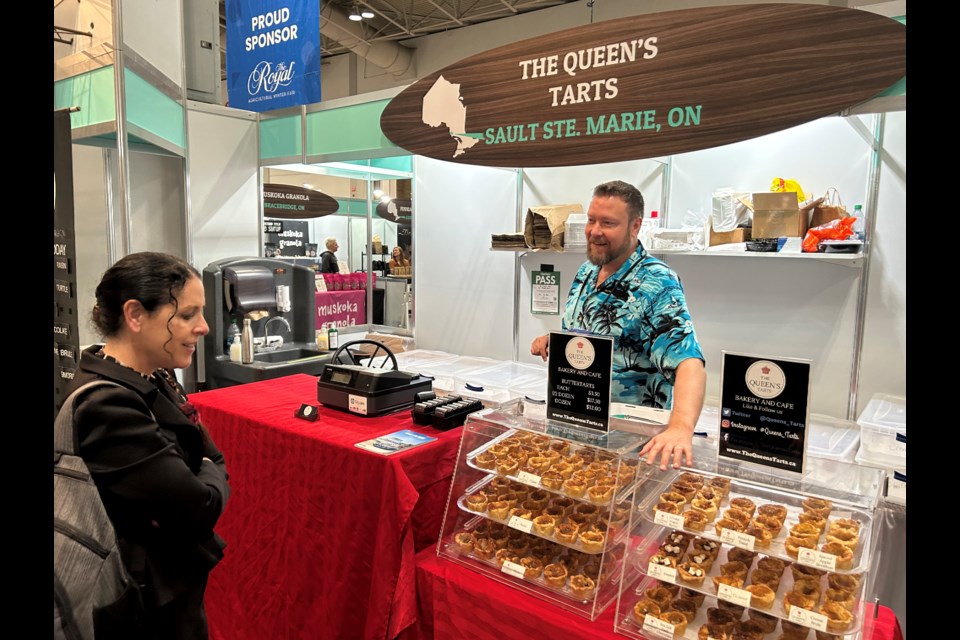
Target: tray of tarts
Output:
[(582, 526), (803, 529), (661, 609), (555, 568), (770, 585), (578, 471)]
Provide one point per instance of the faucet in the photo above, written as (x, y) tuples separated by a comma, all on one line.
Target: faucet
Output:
[(267, 323)]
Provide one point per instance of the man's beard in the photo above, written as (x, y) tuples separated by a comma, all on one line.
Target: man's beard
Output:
[(599, 255)]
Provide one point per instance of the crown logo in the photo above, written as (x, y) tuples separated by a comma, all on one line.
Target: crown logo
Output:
[(580, 345), (765, 370)]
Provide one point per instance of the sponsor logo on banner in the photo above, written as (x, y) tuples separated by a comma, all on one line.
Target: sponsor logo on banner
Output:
[(273, 53)]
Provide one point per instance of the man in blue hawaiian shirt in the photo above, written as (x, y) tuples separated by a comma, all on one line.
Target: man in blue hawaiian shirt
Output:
[(627, 294)]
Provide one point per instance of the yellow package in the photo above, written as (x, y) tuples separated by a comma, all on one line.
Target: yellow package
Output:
[(782, 184)]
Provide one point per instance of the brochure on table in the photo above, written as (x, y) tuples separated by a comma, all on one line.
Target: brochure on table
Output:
[(391, 443), (764, 410)]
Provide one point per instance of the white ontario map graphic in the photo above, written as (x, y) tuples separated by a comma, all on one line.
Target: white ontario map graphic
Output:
[(443, 104)]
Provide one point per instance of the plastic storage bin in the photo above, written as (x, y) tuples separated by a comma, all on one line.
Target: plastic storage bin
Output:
[(832, 438), (883, 431), (504, 375), (446, 372)]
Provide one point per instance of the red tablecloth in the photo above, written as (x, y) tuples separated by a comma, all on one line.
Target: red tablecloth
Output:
[(321, 536), (343, 308), (455, 602)]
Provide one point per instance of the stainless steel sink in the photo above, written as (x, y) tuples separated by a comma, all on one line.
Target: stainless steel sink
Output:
[(287, 355), (299, 357)]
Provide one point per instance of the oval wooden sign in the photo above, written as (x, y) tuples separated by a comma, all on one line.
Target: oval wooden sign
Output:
[(296, 203), (649, 85), (396, 210)]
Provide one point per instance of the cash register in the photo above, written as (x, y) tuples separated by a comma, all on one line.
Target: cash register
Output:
[(366, 390)]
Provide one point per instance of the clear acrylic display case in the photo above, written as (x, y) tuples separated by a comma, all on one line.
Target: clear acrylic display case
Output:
[(543, 508), (798, 565)]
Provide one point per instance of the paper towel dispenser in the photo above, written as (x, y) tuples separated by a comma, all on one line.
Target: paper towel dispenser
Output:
[(248, 288)]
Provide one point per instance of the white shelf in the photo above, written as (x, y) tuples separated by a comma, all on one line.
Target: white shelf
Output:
[(854, 260)]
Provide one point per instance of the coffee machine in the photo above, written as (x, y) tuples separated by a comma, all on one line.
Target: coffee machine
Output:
[(261, 289)]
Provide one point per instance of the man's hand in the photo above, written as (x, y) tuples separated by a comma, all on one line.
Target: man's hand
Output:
[(674, 445), (540, 346)]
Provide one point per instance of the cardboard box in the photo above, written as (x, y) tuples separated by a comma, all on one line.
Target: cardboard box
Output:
[(740, 234), (777, 214)]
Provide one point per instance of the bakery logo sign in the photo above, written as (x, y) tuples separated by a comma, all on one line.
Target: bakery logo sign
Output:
[(645, 86), (765, 379), (276, 61), (579, 353)]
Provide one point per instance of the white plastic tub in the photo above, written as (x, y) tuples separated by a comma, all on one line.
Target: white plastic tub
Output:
[(883, 431)]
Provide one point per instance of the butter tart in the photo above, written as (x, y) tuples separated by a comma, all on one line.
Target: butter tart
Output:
[(748, 630), (691, 573), (732, 580), (841, 596), (802, 572), (508, 466), (484, 548), (741, 516), (741, 555), (465, 541), (762, 537), (839, 618), (661, 595), (843, 553), (815, 519), (544, 525), (706, 507), (794, 599), (663, 561), (566, 532), (477, 502), (694, 520), (668, 507), (770, 523), (744, 504), (805, 530), (845, 523), (776, 565), (687, 606), (574, 487), (709, 546), (808, 587), (734, 568), (712, 632), (727, 523), (767, 577), (643, 607), (843, 581), (721, 618), (847, 537), (778, 511), (532, 567), (551, 480), (687, 490), (721, 485), (766, 621), (592, 540), (582, 586), (793, 545), (677, 619), (711, 494), (486, 460), (555, 574), (600, 494)]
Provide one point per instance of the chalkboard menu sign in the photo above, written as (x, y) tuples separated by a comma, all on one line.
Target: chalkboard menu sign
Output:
[(578, 379), (66, 339), (763, 410)]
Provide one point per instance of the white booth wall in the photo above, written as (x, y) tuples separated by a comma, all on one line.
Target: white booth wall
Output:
[(784, 307)]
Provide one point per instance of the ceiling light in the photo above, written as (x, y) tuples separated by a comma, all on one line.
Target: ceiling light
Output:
[(355, 14), (366, 13)]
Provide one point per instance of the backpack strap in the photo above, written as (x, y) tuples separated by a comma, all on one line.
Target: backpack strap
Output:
[(64, 430)]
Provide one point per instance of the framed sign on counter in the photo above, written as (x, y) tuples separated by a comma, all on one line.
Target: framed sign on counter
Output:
[(764, 404), (578, 379)]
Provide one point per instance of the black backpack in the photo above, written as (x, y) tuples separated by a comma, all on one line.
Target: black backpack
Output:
[(93, 594)]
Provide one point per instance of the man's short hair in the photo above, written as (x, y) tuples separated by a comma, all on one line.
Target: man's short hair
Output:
[(626, 192), (329, 242)]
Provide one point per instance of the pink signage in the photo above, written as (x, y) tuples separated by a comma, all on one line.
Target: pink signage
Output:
[(342, 308)]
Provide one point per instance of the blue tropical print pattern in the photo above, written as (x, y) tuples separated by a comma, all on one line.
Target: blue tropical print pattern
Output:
[(642, 307)]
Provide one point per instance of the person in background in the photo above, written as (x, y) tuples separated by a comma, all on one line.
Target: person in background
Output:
[(397, 259), (328, 261), (162, 479), (627, 294)]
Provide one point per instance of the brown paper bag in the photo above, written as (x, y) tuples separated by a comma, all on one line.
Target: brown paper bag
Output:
[(543, 227), (829, 209)]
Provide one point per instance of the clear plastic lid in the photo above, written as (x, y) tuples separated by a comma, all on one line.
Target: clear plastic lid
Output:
[(832, 438), (885, 413)]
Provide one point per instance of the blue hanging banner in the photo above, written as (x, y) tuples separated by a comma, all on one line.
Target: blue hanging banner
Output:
[(273, 53)]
